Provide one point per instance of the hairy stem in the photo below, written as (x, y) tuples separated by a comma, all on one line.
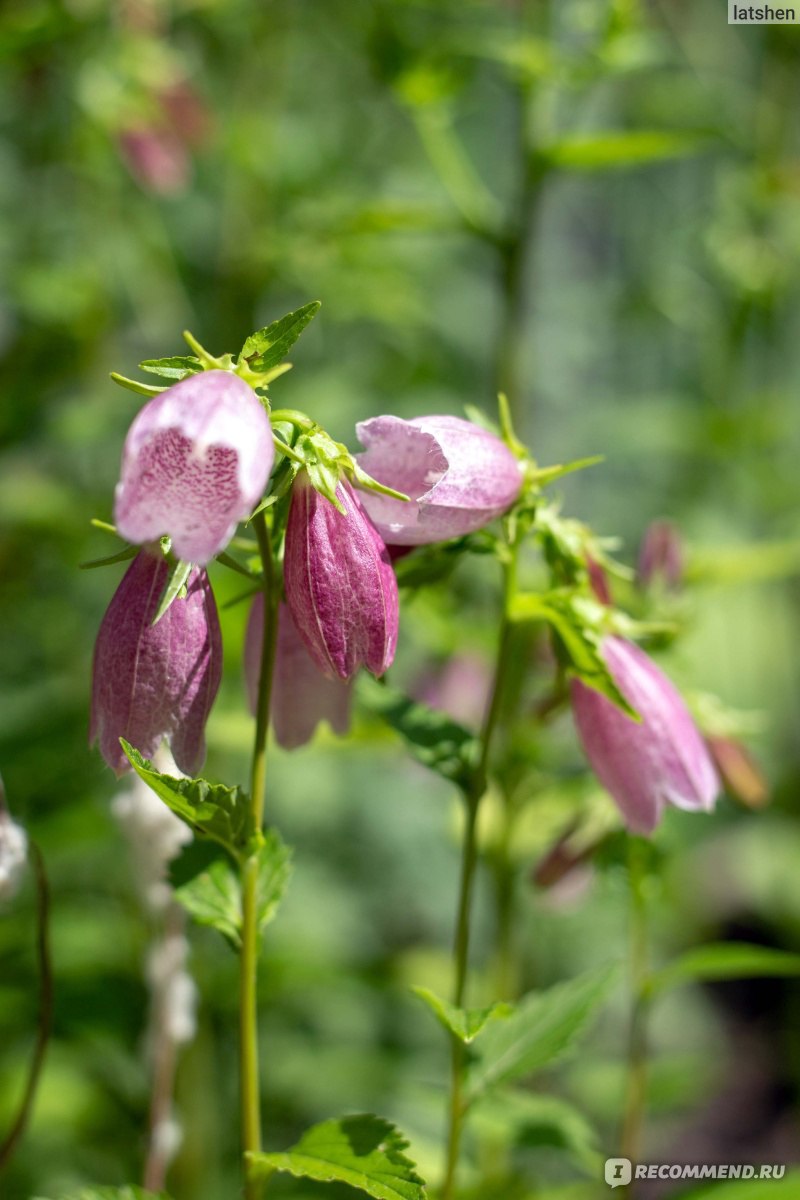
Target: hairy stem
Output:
[(636, 1084), (248, 975), (469, 858), (45, 1021)]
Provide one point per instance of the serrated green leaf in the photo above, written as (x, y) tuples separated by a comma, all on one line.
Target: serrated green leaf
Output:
[(433, 738), (618, 149), (178, 366), (364, 1152), (133, 385), (265, 349), (176, 582), (274, 872), (111, 1193), (210, 809), (542, 1028), (463, 1023), (725, 960), (214, 898)]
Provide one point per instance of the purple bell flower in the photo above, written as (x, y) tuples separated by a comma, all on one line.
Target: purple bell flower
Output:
[(661, 557), (458, 477), (645, 765), (301, 695), (156, 681), (339, 583), (196, 461)]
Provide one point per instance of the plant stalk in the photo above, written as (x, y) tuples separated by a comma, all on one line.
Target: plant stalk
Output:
[(636, 1083), (248, 962), (457, 1107)]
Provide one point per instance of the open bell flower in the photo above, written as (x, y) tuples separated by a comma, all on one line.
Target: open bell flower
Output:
[(339, 583), (151, 682), (301, 695), (196, 461), (645, 765), (458, 477)]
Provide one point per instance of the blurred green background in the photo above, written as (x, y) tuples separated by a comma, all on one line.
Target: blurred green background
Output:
[(633, 284)]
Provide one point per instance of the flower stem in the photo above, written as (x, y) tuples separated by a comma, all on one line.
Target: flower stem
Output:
[(469, 858), (45, 1023), (248, 962), (636, 1086)]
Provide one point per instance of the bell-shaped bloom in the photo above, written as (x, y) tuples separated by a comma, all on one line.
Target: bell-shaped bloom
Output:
[(339, 583), (152, 682), (196, 461), (301, 695), (458, 477), (661, 557), (647, 764)]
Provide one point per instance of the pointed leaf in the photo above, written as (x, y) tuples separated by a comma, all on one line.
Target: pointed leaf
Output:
[(543, 1026), (274, 872), (265, 349), (433, 738), (541, 476), (133, 385), (121, 556), (364, 1152), (176, 367), (725, 960), (176, 582), (529, 1121), (463, 1023), (210, 809)]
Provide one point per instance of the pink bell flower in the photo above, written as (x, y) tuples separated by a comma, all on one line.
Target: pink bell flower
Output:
[(301, 695), (661, 557), (151, 682), (196, 461), (458, 477), (648, 764), (339, 583)]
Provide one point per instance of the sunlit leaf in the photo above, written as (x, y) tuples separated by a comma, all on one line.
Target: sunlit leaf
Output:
[(214, 898), (265, 349), (210, 809), (176, 583), (617, 149), (274, 871), (179, 366), (364, 1152)]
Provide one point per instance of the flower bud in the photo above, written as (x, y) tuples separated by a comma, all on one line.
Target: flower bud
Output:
[(196, 461), (340, 586), (741, 774), (645, 765), (661, 560), (301, 695), (458, 477), (156, 681)]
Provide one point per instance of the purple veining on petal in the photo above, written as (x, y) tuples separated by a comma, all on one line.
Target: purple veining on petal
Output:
[(648, 764), (155, 681), (458, 476), (339, 582), (301, 695), (196, 460)]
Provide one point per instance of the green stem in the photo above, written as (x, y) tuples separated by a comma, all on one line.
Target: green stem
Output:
[(636, 1086), (469, 859), (45, 1023), (248, 962)]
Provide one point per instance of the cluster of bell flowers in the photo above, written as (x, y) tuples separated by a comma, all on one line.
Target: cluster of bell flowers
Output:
[(197, 460)]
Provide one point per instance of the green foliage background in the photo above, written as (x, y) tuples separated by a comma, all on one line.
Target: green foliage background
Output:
[(356, 154)]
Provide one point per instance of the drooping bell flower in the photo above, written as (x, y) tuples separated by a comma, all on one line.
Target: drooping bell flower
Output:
[(661, 557), (458, 477), (339, 583), (156, 681), (645, 765), (301, 695), (196, 461)]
